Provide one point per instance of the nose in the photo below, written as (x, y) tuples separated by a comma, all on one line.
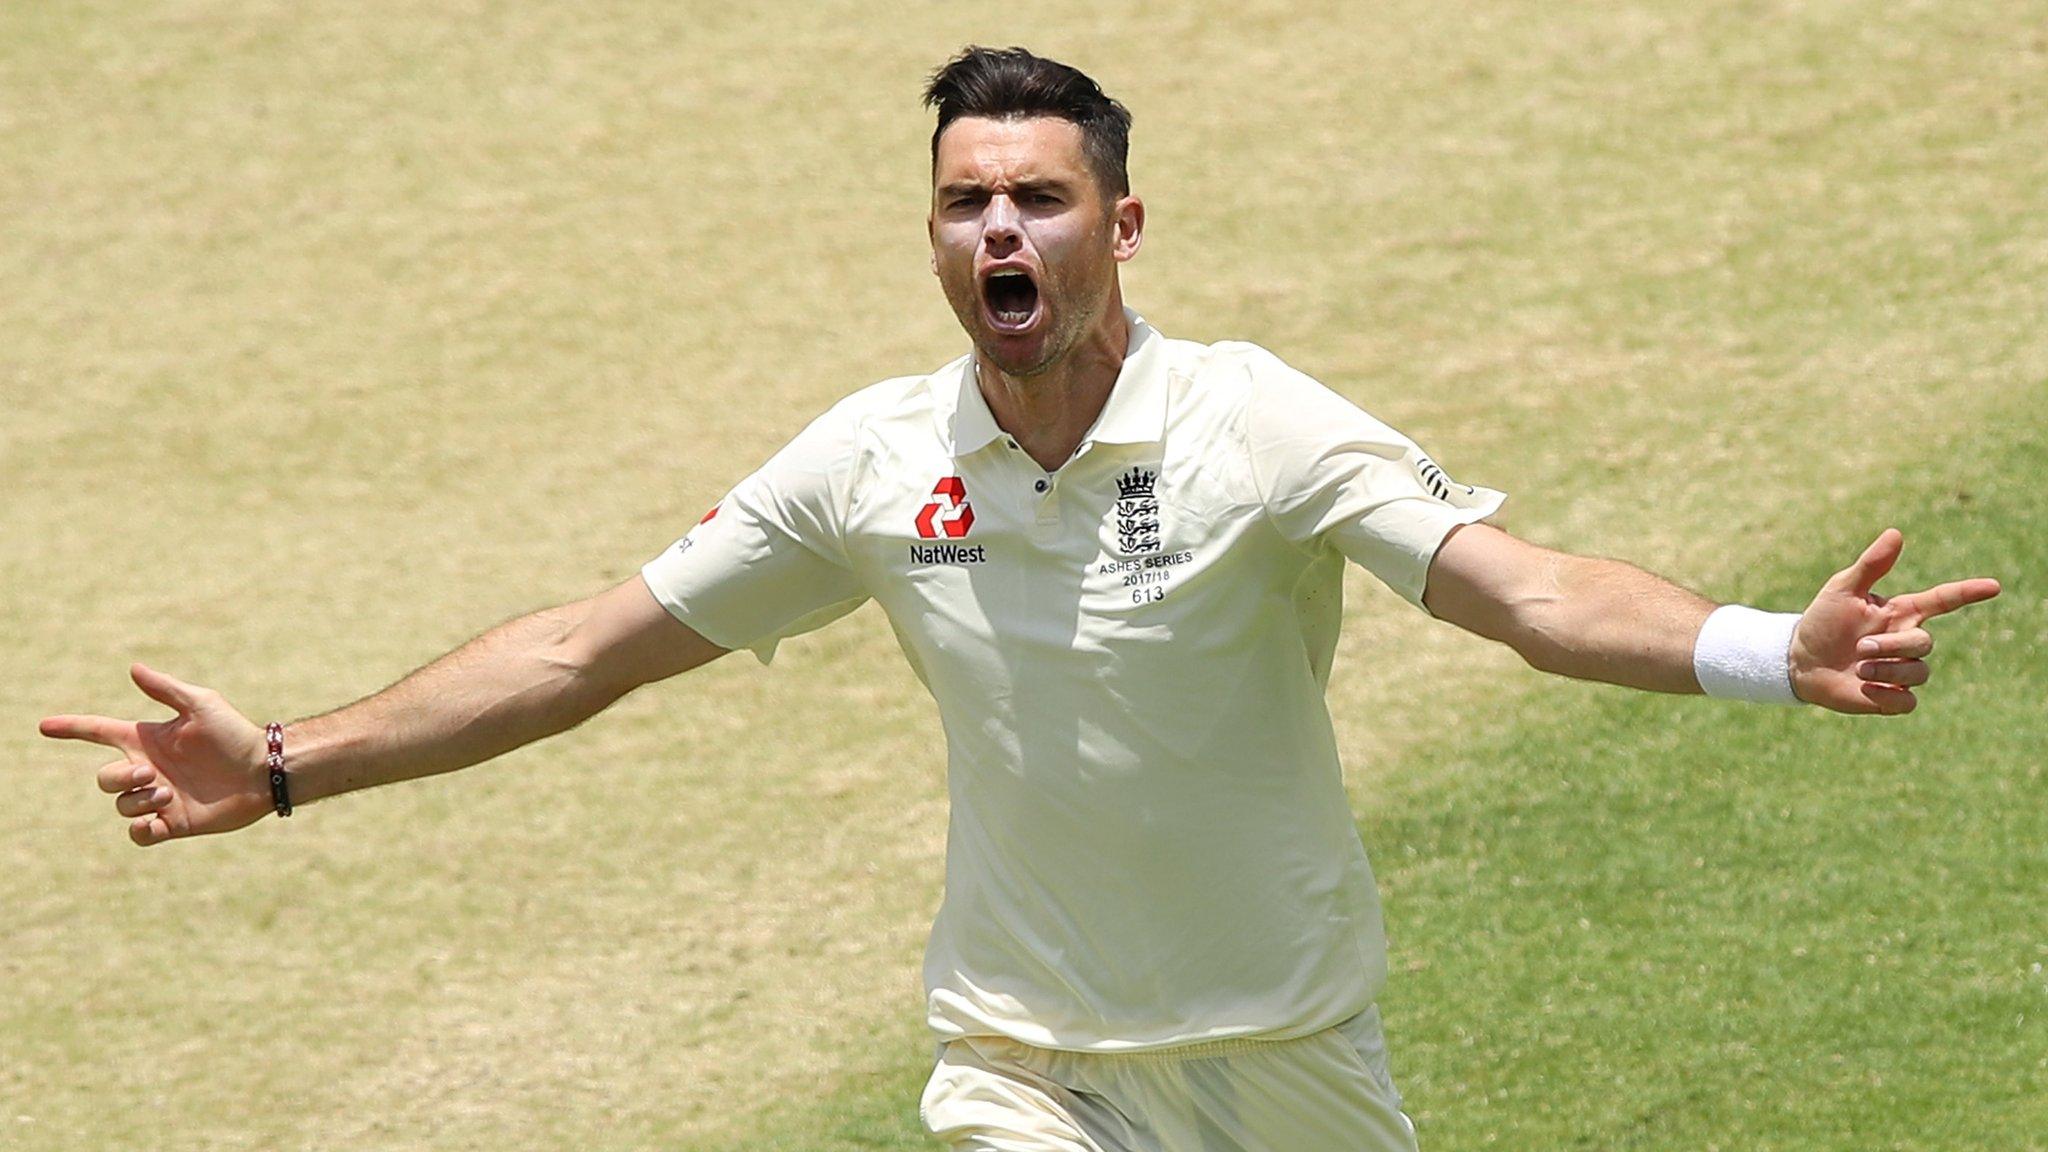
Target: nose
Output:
[(1002, 229)]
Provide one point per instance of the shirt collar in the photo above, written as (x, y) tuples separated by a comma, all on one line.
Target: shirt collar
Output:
[(974, 426), (1134, 414)]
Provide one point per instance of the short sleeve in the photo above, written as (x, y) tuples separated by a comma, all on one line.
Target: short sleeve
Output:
[(1331, 475), (769, 561)]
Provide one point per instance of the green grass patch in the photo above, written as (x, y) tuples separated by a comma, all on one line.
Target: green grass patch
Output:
[(1642, 922)]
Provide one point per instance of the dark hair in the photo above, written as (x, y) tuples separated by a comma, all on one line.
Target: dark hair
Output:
[(1013, 84)]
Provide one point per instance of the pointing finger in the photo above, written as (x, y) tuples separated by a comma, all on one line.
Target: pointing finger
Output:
[(122, 775), (116, 734), (1870, 567), (1943, 598), (169, 691), (1911, 644)]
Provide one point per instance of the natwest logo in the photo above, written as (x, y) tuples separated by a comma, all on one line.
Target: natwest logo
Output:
[(948, 514)]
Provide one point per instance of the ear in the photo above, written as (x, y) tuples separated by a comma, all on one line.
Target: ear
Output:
[(931, 235), (1130, 228)]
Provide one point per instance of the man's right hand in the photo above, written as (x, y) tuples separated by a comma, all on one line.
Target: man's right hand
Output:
[(524, 680), (198, 773)]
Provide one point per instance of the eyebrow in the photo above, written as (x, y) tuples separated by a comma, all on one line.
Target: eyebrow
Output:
[(1020, 187)]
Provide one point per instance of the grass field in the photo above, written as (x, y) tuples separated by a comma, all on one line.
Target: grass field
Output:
[(333, 334)]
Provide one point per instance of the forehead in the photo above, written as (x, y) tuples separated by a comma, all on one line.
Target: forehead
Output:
[(976, 149)]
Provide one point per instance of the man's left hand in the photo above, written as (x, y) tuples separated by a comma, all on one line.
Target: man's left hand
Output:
[(1856, 651)]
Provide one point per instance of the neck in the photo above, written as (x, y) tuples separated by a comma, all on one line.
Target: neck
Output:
[(1049, 411)]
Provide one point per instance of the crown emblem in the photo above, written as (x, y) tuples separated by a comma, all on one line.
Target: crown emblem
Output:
[(1135, 484), (1137, 512)]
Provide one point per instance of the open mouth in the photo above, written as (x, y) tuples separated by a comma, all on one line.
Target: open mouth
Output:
[(1012, 299)]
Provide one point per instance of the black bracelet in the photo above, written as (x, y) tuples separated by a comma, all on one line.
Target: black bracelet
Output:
[(280, 795)]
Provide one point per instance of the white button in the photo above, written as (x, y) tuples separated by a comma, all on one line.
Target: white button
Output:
[(1042, 485)]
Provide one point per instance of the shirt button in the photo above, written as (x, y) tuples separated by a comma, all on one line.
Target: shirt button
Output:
[(1041, 485)]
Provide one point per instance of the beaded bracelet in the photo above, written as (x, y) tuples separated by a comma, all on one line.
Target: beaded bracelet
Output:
[(280, 795)]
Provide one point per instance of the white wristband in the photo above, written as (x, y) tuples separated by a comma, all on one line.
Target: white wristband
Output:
[(1744, 654)]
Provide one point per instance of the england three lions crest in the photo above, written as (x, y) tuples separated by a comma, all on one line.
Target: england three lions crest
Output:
[(1137, 512)]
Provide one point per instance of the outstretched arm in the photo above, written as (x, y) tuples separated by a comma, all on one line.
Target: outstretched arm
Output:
[(203, 770), (1852, 651)]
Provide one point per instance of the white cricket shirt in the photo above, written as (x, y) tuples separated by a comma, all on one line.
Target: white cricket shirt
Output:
[(1149, 840)]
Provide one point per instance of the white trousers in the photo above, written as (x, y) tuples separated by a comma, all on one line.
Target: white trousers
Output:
[(1328, 1092)]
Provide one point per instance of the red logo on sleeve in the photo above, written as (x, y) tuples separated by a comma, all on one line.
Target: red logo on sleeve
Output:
[(948, 514)]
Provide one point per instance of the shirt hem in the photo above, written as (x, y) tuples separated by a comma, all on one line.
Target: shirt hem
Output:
[(1168, 1049)]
